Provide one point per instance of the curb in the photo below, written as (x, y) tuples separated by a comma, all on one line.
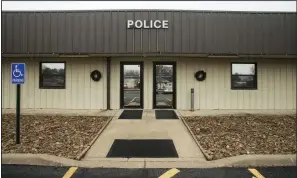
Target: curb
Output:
[(36, 159), (256, 161), (82, 154), (204, 152), (237, 161)]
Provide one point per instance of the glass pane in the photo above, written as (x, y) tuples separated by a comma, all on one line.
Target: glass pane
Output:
[(164, 85), (243, 69), (53, 81), (132, 85), (243, 81), (53, 68)]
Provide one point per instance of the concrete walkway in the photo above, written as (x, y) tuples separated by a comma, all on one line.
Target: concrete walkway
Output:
[(190, 155), (146, 128)]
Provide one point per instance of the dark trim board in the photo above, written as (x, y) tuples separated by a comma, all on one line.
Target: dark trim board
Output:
[(136, 54), (173, 85), (122, 82)]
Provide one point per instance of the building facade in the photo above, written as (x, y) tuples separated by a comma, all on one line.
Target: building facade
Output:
[(151, 59)]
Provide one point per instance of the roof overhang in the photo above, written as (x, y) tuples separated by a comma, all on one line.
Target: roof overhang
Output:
[(79, 55)]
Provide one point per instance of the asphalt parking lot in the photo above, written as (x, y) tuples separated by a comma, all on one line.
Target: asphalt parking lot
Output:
[(131, 96), (17, 171)]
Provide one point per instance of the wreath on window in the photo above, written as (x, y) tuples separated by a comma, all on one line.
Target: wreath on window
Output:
[(200, 75), (96, 75)]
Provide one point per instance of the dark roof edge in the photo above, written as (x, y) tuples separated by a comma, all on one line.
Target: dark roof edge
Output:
[(279, 56), (148, 10)]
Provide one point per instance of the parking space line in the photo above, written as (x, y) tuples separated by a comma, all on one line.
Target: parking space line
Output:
[(170, 173), (70, 172), (256, 173), (132, 99), (168, 99)]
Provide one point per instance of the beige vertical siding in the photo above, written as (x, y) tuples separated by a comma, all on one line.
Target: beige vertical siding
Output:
[(81, 91), (276, 85)]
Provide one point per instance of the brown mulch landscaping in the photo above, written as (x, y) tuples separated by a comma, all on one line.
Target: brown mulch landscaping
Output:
[(65, 136), (226, 136)]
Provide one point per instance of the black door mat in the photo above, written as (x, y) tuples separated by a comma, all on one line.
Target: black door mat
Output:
[(131, 114), (165, 114), (152, 148)]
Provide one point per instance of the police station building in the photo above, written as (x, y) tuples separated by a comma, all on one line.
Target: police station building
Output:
[(151, 59)]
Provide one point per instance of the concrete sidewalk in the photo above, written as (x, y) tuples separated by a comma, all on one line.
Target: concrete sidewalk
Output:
[(146, 128)]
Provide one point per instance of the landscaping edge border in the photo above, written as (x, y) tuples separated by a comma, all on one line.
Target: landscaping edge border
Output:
[(208, 157), (82, 154)]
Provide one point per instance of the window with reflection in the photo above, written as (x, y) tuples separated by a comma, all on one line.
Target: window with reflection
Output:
[(243, 76), (52, 75)]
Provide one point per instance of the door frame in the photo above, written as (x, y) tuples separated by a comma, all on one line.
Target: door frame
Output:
[(173, 63), (122, 63)]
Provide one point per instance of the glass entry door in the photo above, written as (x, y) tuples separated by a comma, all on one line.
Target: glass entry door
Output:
[(164, 85), (131, 84)]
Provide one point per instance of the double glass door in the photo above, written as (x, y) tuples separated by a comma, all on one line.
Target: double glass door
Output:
[(164, 85)]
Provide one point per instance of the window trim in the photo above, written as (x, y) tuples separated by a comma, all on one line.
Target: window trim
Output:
[(255, 75), (40, 76)]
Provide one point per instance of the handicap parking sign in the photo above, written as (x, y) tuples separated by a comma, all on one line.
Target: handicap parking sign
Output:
[(17, 73)]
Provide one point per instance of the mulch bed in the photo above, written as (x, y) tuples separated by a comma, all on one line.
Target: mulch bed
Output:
[(65, 136), (226, 136)]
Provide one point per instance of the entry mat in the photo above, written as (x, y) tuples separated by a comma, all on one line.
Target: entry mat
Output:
[(152, 148), (165, 114), (131, 114)]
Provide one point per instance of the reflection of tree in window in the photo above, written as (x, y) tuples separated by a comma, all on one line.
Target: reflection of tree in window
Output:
[(49, 71), (165, 72), (53, 75), (132, 73)]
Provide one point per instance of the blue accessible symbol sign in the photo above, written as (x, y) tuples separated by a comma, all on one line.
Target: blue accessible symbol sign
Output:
[(17, 73)]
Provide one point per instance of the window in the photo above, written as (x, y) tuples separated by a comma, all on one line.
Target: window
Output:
[(243, 76), (52, 75)]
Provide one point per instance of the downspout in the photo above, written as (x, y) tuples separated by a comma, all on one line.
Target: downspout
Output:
[(108, 82)]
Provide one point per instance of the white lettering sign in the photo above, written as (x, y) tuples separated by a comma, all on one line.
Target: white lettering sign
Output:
[(147, 24)]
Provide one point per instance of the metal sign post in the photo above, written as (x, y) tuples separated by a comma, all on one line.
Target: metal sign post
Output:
[(192, 99), (18, 103), (18, 78)]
